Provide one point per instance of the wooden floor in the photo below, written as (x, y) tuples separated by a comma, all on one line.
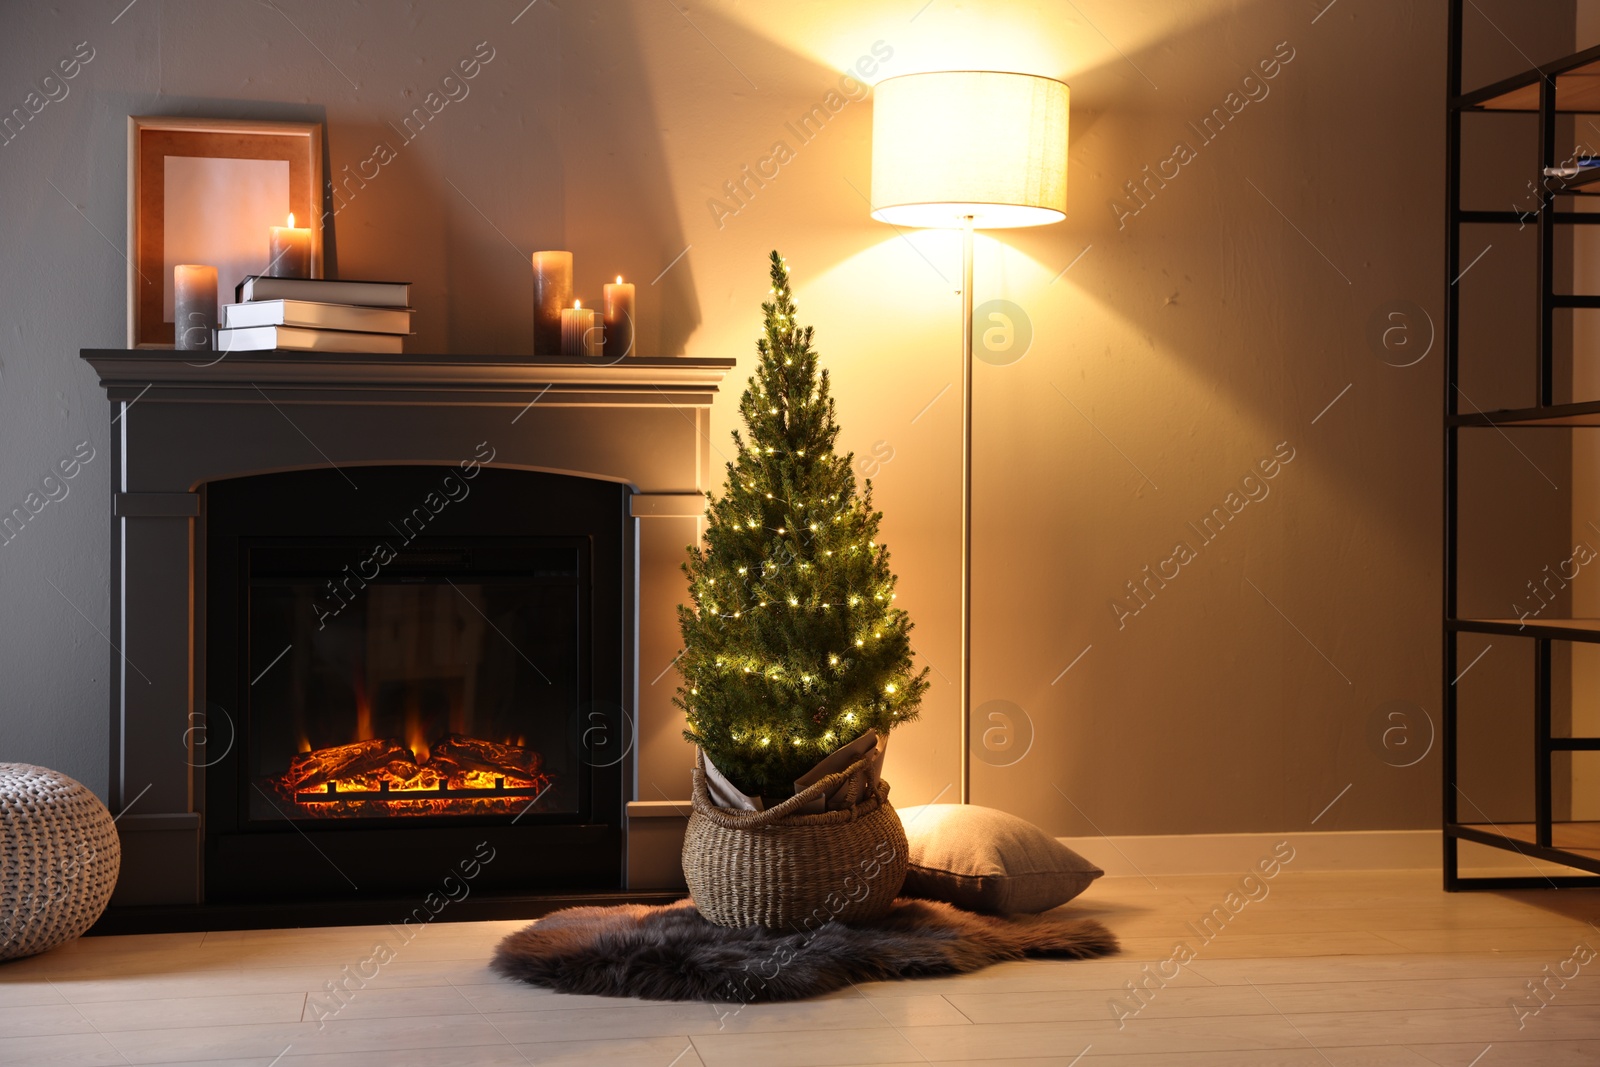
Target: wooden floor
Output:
[(1325, 969)]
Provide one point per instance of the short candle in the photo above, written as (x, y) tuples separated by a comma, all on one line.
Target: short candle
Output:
[(289, 249), (580, 333)]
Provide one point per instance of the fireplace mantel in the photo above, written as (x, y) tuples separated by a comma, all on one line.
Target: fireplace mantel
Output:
[(641, 381), (179, 421)]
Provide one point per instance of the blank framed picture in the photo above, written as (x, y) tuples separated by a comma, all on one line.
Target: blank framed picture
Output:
[(207, 191)]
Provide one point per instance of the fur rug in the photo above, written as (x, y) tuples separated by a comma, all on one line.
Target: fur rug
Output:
[(671, 953)]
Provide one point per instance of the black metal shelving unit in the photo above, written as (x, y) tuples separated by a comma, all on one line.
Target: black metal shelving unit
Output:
[(1570, 85)]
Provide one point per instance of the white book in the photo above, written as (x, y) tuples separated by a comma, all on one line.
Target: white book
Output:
[(301, 339), (317, 315)]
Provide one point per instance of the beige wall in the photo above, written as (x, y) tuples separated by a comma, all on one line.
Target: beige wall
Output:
[(1180, 348)]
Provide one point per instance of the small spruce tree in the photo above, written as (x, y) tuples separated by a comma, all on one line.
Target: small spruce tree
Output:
[(792, 645)]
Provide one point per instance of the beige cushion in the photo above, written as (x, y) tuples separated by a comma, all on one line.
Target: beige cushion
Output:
[(987, 860)]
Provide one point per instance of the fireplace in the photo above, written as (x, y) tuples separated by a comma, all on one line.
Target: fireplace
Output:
[(448, 685), (422, 678), (373, 618)]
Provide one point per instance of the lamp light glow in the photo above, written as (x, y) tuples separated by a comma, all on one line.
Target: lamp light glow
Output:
[(985, 145)]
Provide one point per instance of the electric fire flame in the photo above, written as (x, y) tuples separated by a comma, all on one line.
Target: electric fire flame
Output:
[(454, 775)]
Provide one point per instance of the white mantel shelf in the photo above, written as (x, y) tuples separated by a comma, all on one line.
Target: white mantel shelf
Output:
[(344, 377)]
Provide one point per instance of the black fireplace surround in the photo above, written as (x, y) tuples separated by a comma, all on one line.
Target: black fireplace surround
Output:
[(405, 663)]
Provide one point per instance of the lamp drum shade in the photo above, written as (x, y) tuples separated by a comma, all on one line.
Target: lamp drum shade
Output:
[(984, 144)]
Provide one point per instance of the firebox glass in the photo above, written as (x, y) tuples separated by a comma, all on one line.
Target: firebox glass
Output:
[(419, 693)]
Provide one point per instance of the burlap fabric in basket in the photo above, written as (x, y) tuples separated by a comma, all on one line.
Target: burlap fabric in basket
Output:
[(785, 871)]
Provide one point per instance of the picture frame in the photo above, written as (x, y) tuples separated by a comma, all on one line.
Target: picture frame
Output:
[(204, 190)]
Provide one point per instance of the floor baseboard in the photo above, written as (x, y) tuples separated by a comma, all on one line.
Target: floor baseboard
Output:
[(1153, 855)]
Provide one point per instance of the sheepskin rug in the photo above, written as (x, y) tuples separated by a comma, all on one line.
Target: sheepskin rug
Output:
[(671, 953)]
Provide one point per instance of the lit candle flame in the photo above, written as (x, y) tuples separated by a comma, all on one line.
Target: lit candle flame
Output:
[(619, 279), (291, 220), (577, 303)]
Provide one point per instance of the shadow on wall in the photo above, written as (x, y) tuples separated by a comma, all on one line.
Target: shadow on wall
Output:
[(455, 178), (751, 126), (563, 150), (621, 212)]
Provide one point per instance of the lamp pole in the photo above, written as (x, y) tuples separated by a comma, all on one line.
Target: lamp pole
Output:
[(965, 747)]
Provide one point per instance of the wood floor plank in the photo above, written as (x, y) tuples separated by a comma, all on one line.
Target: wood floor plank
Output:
[(1557, 1022), (1359, 1056), (1368, 969), (67, 1050), (959, 1044), (1583, 1053), (378, 1001), (339, 1036), (823, 1048), (42, 1020), (20, 994), (167, 1013), (611, 1052), (641, 1019)]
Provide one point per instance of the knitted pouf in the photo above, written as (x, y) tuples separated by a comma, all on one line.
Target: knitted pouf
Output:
[(59, 857)]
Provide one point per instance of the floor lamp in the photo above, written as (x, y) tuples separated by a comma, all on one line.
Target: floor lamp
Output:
[(970, 150)]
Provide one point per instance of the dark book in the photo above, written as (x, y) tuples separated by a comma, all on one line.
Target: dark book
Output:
[(324, 290)]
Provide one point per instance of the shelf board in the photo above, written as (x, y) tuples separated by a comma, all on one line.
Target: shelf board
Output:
[(1586, 413), (1585, 630), (1527, 218), (1577, 79), (1579, 184), (1575, 844)]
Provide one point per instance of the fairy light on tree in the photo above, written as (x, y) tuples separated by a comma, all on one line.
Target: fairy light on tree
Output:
[(792, 647)]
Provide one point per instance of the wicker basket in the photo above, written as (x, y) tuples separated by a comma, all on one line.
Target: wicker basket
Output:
[(784, 871)]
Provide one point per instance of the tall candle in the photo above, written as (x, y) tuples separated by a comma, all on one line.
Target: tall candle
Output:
[(194, 306), (580, 332), (619, 319), (552, 293), (289, 251)]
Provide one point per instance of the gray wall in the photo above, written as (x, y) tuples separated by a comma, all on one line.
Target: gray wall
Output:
[(1186, 343)]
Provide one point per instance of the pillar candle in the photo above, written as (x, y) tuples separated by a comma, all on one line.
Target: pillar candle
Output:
[(552, 293), (289, 251), (619, 319), (194, 306), (580, 331)]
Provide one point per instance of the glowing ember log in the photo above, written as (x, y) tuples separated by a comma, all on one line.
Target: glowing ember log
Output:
[(313, 770), (457, 757), (381, 776)]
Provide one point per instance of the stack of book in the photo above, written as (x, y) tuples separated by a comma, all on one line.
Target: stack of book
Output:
[(316, 315)]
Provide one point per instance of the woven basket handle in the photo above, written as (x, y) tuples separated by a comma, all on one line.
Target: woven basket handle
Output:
[(744, 820)]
